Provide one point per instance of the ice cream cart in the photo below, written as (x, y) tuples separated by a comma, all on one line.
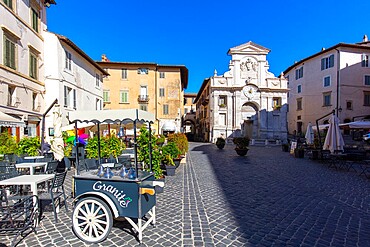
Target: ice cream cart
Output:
[(100, 199)]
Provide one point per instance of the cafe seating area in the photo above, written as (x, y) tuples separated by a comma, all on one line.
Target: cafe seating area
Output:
[(350, 159), (27, 185)]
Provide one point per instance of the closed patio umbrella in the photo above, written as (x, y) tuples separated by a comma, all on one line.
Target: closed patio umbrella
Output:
[(309, 134), (57, 145), (334, 139)]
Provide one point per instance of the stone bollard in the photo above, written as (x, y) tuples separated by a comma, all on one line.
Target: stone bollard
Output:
[(253, 142), (266, 142)]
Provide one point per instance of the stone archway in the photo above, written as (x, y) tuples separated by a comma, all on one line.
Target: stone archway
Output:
[(189, 129), (249, 116)]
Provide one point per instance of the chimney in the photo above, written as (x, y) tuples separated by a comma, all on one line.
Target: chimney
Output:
[(104, 58), (323, 49), (364, 39)]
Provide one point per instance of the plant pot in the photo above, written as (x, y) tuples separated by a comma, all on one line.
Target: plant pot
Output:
[(299, 153), (315, 154), (285, 148), (177, 162), (170, 170), (220, 146), (241, 152)]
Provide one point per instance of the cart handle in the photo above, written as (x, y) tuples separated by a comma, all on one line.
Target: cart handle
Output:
[(149, 191)]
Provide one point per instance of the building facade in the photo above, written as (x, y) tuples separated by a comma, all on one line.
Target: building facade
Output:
[(247, 100), (337, 78), (71, 77), (151, 87), (23, 24)]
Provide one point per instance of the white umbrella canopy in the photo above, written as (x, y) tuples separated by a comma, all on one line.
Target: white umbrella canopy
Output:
[(334, 139), (309, 134), (57, 145)]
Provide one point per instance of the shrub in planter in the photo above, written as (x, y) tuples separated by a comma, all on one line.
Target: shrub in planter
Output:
[(8, 145), (220, 142), (180, 140), (241, 145), (29, 146), (171, 149), (160, 140), (285, 147), (109, 146)]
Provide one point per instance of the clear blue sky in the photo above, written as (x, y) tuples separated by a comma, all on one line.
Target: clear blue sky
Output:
[(198, 33)]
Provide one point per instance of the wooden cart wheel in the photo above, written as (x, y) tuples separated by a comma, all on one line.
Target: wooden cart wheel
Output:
[(92, 220)]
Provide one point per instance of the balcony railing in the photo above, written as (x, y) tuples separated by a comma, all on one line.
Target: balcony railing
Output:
[(143, 98)]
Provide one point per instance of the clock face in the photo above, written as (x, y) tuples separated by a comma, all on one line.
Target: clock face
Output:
[(249, 91)]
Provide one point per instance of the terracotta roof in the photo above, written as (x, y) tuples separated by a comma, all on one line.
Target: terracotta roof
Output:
[(81, 52), (356, 46)]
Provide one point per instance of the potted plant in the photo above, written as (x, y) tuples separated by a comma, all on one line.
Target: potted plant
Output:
[(299, 152), (160, 140), (143, 152), (220, 142), (8, 145), (173, 151), (169, 164), (285, 147), (242, 144), (29, 146), (181, 142)]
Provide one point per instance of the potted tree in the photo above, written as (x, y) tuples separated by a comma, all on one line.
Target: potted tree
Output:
[(242, 144), (220, 143), (143, 152)]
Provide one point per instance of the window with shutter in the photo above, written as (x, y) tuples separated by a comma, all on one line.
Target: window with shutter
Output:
[(74, 99), (365, 60), (327, 62), (33, 66), (9, 52), (65, 96), (9, 3)]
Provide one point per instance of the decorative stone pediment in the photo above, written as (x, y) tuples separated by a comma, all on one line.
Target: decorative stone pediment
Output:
[(248, 48)]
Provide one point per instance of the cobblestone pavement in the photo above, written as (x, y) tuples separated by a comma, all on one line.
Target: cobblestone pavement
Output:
[(218, 198)]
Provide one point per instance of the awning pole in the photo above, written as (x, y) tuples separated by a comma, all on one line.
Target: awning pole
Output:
[(99, 144)]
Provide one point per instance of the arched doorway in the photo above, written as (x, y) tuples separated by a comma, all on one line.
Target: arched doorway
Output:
[(249, 117), (189, 129)]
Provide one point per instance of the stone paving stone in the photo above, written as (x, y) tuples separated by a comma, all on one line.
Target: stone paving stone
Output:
[(267, 198)]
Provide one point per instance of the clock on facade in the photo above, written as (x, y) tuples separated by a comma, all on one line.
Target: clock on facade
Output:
[(249, 91)]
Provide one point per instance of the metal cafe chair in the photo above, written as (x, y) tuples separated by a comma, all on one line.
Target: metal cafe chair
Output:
[(17, 216), (51, 167), (55, 192)]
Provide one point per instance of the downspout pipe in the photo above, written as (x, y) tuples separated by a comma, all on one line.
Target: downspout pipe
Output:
[(338, 84)]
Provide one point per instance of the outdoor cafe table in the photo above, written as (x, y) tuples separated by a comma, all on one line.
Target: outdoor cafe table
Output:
[(32, 180), (31, 166)]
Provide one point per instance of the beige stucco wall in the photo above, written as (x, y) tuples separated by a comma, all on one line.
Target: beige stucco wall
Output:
[(173, 97), (351, 87)]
